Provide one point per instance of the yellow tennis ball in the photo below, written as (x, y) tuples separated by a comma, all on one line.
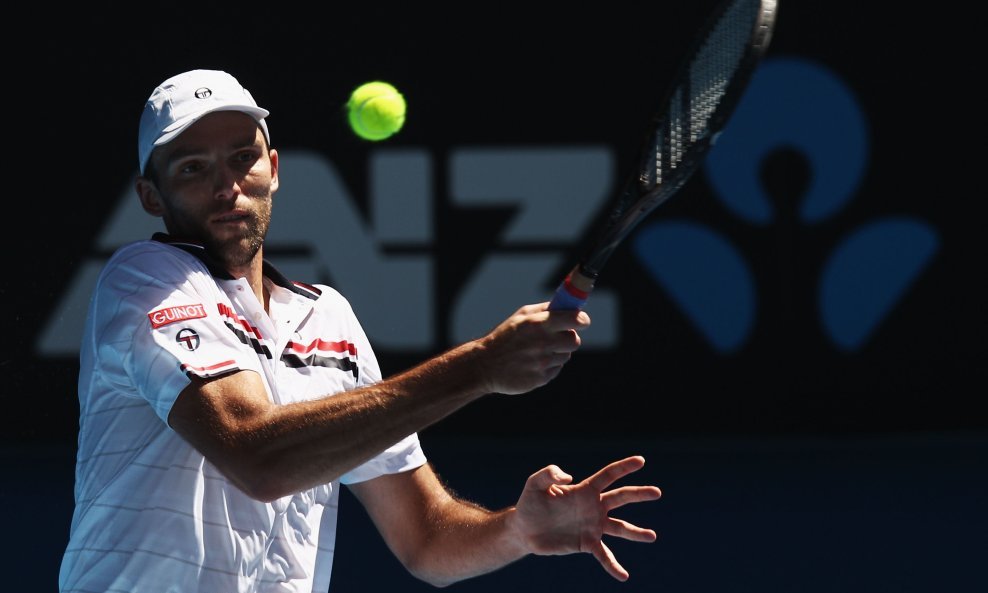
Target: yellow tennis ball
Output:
[(376, 110)]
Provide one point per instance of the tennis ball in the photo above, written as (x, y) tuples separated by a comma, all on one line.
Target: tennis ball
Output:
[(376, 110)]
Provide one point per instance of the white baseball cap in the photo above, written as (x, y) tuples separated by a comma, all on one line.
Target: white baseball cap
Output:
[(180, 101)]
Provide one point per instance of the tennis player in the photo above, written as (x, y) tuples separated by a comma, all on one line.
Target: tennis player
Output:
[(223, 406)]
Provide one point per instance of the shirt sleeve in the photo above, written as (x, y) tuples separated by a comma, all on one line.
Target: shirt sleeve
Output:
[(404, 455), (159, 318)]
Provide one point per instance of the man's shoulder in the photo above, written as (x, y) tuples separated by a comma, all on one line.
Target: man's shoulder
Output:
[(331, 301), (328, 296), (147, 260), (149, 249)]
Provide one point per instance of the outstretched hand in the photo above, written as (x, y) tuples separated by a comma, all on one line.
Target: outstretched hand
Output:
[(556, 517)]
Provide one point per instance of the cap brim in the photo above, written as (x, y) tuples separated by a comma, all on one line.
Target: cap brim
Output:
[(176, 128)]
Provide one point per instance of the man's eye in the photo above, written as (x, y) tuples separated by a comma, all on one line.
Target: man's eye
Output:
[(188, 168)]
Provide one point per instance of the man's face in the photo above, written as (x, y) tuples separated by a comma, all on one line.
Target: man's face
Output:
[(215, 182)]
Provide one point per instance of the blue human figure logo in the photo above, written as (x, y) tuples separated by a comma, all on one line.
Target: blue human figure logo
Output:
[(796, 105)]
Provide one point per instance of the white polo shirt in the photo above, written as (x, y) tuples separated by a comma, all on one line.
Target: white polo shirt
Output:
[(151, 513)]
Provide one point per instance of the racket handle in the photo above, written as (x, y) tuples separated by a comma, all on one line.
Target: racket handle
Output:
[(572, 293)]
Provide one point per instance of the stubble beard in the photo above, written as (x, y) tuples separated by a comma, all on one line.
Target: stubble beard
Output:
[(239, 252)]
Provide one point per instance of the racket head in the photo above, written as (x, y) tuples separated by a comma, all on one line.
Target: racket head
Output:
[(707, 87)]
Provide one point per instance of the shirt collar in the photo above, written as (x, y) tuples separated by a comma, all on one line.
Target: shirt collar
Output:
[(270, 272)]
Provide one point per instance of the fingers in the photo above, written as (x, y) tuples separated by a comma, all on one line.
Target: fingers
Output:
[(563, 343), (531, 347), (623, 529), (613, 472), (561, 517), (556, 321), (606, 558), (629, 494), (549, 477), (560, 321)]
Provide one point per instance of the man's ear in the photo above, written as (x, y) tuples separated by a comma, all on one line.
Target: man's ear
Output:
[(150, 196), (273, 156)]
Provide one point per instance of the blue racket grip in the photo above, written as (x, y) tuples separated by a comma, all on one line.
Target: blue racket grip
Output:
[(572, 293)]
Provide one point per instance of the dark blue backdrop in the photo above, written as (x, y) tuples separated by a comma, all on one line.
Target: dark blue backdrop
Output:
[(797, 356)]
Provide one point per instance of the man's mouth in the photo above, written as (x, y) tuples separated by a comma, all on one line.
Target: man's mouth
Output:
[(232, 217)]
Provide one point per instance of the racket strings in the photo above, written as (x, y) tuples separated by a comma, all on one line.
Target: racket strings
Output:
[(694, 103), (694, 113), (719, 57)]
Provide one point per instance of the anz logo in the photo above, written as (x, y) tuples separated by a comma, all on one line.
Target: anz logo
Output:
[(386, 262), (796, 105)]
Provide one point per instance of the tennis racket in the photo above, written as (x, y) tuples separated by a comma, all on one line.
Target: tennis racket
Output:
[(707, 87)]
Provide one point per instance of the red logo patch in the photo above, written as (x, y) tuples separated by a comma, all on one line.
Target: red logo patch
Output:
[(163, 317)]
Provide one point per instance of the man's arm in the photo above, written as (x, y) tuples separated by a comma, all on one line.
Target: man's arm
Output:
[(272, 450), (443, 539)]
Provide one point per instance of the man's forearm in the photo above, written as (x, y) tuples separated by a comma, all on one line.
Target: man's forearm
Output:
[(274, 450), (468, 541)]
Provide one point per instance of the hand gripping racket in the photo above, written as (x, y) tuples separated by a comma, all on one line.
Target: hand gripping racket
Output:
[(707, 87)]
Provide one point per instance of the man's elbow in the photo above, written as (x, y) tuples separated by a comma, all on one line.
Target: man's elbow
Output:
[(257, 474), (440, 581), (251, 478), (262, 489), (423, 567)]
